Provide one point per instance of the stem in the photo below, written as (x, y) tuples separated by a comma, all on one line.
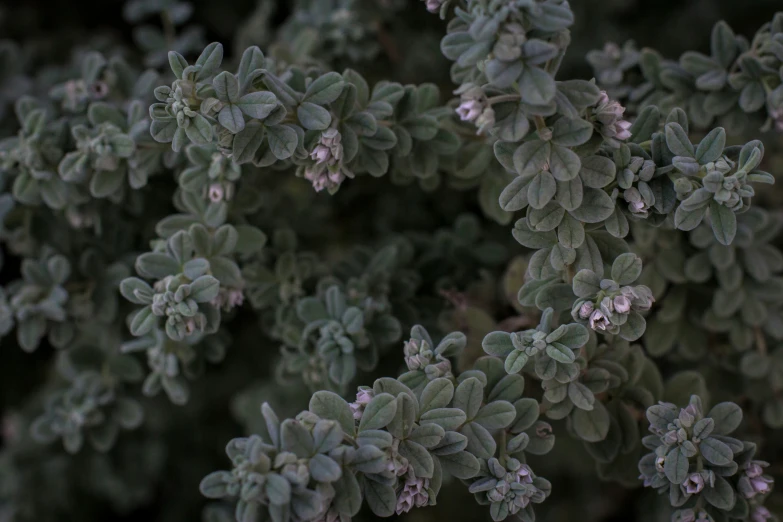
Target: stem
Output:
[(570, 273), (540, 123), (502, 447), (351, 440), (168, 29), (761, 342), (388, 44), (503, 98)]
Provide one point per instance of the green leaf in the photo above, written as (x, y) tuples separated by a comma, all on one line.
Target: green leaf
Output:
[(142, 323), (461, 465), (380, 497), (596, 206), (581, 396), (593, 425), (480, 441), (379, 412), (329, 405), (676, 466), (677, 140), (429, 435), (226, 87), (446, 418), (436, 394), (257, 105), (527, 411), (348, 497), (727, 417), (103, 183), (688, 219), (711, 146), (418, 457), (209, 60), (327, 435), (724, 222), (324, 89), (570, 193), (570, 232), (278, 489), (716, 452), (282, 141), (156, 265), (496, 415), (468, 396), (204, 289), (231, 118), (324, 469), (721, 495), (564, 163), (626, 269), (404, 418), (560, 352), (369, 458), (514, 196), (296, 438), (573, 335), (136, 291), (515, 361), (215, 485), (497, 343), (633, 328), (571, 132), (531, 157), (586, 283), (547, 218), (313, 117), (536, 86), (597, 171), (541, 190), (199, 131)]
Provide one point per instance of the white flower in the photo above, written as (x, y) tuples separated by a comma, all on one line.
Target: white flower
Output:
[(586, 309), (470, 110), (598, 321), (216, 192), (433, 6)]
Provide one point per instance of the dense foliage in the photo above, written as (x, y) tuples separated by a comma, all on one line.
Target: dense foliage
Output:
[(337, 270)]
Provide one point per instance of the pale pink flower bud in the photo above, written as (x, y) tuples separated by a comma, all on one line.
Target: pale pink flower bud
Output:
[(586, 309), (363, 398), (470, 110), (760, 514), (623, 129), (216, 192), (694, 484), (413, 493), (321, 154), (598, 321), (761, 484), (525, 474), (433, 6), (622, 304), (755, 468)]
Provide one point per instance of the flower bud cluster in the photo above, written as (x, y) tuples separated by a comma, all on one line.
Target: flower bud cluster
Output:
[(693, 454), (612, 305), (475, 108), (510, 488), (607, 116), (419, 355), (328, 171)]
